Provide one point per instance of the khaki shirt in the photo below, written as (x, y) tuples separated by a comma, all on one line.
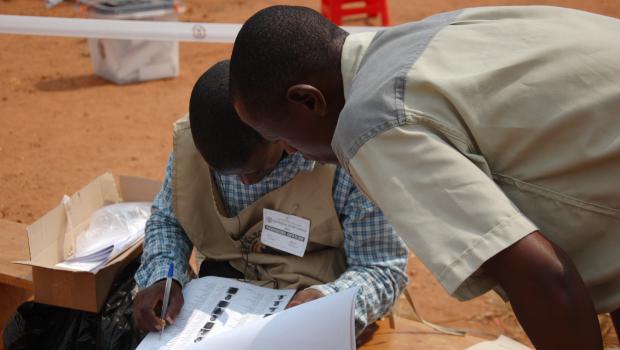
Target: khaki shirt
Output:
[(474, 128)]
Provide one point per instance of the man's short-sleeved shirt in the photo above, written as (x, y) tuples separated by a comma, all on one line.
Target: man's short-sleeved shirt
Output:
[(474, 128)]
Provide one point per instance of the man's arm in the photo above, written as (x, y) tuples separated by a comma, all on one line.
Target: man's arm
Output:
[(547, 294), (164, 242), (457, 221), (376, 256)]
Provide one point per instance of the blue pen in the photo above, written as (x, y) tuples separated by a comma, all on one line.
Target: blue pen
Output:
[(164, 306)]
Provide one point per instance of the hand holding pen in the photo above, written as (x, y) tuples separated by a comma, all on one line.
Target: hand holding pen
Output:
[(146, 305)]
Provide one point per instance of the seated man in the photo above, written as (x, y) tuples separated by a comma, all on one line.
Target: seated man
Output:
[(219, 178)]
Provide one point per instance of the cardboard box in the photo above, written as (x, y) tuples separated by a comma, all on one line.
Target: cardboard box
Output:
[(50, 243)]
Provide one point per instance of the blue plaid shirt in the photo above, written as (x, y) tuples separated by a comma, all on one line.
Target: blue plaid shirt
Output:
[(376, 256)]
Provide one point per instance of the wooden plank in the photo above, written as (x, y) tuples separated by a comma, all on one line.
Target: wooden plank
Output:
[(412, 335), (15, 280), (14, 246)]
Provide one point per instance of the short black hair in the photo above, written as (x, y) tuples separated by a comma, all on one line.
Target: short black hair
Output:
[(222, 139), (278, 47)]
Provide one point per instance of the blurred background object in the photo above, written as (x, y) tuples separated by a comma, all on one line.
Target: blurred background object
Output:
[(335, 10), (130, 61)]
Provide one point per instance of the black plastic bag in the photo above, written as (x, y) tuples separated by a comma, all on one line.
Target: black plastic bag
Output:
[(40, 326), (116, 330)]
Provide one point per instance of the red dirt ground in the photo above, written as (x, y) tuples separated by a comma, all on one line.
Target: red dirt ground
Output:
[(61, 126)]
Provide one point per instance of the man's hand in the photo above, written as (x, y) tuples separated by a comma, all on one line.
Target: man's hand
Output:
[(148, 302), (304, 296), (547, 294)]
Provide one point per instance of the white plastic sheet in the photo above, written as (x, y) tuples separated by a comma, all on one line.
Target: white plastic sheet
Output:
[(113, 224), (111, 231)]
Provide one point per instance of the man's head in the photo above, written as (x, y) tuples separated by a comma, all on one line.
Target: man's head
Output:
[(285, 78), (225, 143)]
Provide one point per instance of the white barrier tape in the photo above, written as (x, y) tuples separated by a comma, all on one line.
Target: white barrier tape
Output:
[(124, 29), (119, 29)]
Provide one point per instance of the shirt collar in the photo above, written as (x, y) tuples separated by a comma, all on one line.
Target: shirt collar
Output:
[(353, 50), (302, 164), (288, 167)]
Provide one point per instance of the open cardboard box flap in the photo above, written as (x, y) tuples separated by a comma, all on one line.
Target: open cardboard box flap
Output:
[(51, 242)]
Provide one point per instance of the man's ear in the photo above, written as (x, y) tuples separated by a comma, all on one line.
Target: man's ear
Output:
[(308, 97)]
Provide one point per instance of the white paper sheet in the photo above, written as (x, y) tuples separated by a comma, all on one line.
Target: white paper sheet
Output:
[(215, 305)]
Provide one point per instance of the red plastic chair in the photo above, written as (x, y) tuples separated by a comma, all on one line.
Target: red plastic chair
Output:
[(335, 11)]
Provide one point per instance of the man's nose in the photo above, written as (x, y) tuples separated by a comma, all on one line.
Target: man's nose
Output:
[(288, 149), (249, 179), (245, 179)]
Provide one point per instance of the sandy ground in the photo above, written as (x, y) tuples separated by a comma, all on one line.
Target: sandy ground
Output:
[(61, 126)]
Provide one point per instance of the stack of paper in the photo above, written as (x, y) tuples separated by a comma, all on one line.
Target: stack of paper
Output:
[(222, 313), (112, 230)]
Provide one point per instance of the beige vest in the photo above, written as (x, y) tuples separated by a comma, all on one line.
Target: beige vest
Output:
[(198, 206)]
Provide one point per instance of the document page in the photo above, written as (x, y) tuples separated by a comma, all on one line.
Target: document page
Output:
[(214, 305), (324, 323)]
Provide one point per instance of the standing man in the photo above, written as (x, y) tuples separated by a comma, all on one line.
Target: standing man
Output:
[(490, 138), (220, 176)]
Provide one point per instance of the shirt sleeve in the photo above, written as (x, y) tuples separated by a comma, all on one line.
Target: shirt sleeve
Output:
[(165, 240), (449, 212), (376, 256)]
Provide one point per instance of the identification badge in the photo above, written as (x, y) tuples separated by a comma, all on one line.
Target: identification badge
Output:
[(288, 233)]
